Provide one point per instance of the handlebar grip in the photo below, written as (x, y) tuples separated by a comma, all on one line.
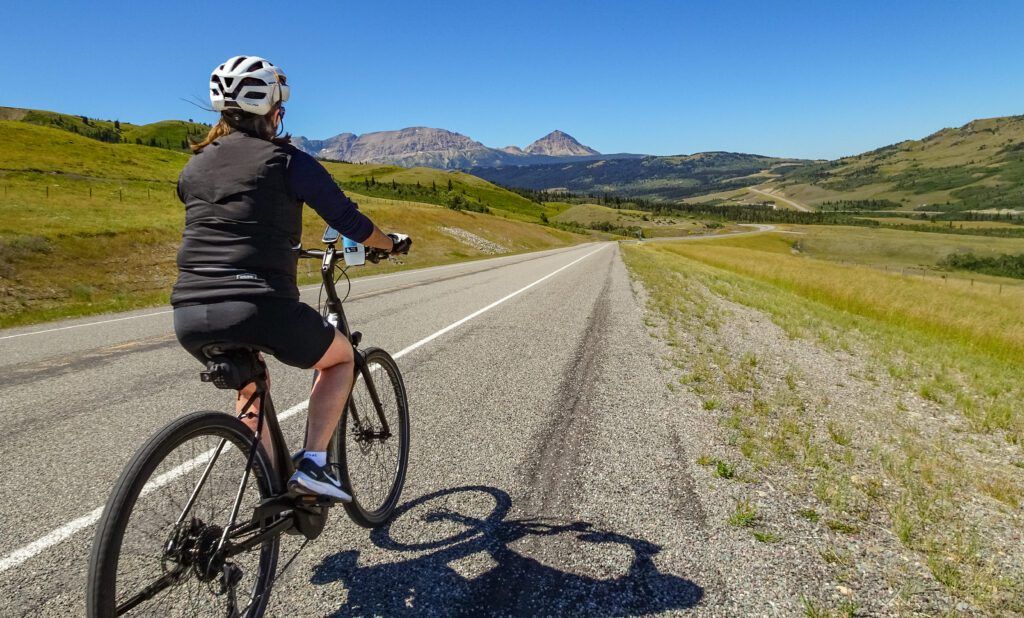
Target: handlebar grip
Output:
[(375, 255)]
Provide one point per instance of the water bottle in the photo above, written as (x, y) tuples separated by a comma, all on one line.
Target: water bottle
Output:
[(355, 253)]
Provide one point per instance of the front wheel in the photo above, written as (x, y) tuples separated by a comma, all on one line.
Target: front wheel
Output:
[(371, 444), (155, 551)]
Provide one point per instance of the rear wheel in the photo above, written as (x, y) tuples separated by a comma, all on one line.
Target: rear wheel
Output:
[(155, 547), (373, 455)]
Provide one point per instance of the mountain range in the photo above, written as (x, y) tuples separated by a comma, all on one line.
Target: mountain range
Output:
[(977, 166), (651, 177), (440, 148)]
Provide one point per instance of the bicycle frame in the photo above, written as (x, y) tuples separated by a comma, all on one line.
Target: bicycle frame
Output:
[(336, 310), (307, 515)]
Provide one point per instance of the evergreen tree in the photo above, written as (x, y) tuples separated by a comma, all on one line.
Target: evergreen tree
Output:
[(117, 125), (433, 186), (449, 184)]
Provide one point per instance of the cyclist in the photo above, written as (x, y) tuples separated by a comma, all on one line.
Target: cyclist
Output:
[(243, 193)]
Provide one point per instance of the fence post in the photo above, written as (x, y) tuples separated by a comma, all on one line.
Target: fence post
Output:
[(120, 195), (47, 191)]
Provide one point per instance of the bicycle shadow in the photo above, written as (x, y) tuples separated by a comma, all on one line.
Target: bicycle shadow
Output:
[(430, 581)]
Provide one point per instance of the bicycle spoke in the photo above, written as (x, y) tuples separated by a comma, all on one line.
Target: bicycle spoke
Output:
[(180, 496), (373, 458)]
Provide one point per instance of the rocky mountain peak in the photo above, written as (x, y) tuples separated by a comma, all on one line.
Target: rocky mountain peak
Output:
[(559, 144)]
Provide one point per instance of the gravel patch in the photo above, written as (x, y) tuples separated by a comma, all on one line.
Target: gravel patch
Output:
[(477, 242), (823, 529)]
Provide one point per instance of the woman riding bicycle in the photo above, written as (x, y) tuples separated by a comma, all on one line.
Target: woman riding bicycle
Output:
[(243, 193)]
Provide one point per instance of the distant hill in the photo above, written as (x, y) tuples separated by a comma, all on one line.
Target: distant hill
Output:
[(659, 178), (443, 149), (169, 134), (974, 167)]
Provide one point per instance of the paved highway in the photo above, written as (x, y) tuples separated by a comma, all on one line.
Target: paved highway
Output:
[(542, 476)]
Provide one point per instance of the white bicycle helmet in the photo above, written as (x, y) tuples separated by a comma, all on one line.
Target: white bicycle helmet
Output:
[(248, 83)]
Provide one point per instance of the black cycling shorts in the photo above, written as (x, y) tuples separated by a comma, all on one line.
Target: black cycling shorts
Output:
[(295, 333)]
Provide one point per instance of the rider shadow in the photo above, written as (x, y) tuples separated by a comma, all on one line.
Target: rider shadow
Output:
[(430, 582)]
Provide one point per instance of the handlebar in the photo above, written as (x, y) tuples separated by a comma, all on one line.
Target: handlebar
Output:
[(372, 254), (310, 253)]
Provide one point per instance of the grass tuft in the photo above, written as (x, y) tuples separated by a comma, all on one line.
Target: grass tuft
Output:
[(744, 515)]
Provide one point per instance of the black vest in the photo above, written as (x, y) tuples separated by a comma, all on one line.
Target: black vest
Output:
[(241, 222)]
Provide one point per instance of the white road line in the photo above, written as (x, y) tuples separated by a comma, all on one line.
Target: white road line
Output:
[(61, 534), (72, 527), (305, 288)]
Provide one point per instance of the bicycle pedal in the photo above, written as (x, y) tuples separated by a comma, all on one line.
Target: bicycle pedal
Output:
[(313, 501)]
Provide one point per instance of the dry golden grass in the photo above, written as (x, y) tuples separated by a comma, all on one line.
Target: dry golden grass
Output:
[(979, 318), (49, 277)]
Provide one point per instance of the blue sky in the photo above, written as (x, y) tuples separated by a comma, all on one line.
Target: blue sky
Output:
[(807, 79)]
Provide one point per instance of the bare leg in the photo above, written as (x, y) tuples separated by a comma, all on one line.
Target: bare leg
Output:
[(251, 419), (330, 391)]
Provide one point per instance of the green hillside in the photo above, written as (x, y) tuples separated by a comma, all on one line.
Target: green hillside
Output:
[(169, 134), (426, 184), (978, 166), (88, 226)]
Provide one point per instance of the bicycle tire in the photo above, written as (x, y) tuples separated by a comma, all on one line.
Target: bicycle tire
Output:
[(391, 390), (101, 593)]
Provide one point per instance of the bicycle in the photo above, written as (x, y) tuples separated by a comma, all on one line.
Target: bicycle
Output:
[(207, 554)]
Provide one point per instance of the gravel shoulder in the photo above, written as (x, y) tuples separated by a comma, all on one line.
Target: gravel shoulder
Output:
[(853, 494)]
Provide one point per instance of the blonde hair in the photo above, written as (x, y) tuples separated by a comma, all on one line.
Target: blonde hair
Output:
[(234, 120)]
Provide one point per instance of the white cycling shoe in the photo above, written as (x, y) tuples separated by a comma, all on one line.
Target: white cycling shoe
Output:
[(312, 479)]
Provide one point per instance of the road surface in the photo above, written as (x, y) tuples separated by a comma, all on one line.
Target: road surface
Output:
[(797, 205), (541, 428)]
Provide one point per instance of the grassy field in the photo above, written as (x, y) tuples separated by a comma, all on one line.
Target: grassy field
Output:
[(89, 227), (895, 250), (964, 225), (428, 184), (652, 225), (938, 462)]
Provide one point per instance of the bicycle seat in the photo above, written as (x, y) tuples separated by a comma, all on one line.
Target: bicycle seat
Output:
[(232, 365)]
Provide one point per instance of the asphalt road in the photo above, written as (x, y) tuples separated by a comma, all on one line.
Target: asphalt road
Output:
[(542, 476)]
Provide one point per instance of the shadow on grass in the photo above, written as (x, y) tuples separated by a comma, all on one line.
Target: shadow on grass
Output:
[(459, 564)]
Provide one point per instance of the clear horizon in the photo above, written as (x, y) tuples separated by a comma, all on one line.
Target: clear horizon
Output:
[(808, 80)]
